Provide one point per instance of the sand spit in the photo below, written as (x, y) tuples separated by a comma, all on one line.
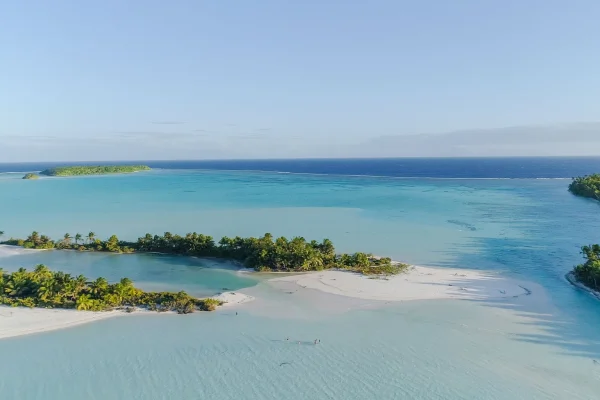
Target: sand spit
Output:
[(18, 321), (419, 283)]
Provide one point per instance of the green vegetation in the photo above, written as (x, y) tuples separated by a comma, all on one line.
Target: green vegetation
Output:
[(44, 288), (586, 186), (588, 273), (94, 170), (31, 176), (262, 254)]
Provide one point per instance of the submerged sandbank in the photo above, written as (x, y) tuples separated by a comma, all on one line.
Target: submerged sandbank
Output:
[(419, 283)]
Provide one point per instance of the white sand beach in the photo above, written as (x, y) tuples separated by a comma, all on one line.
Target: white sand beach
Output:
[(233, 298), (9, 251), (17, 321), (419, 283)]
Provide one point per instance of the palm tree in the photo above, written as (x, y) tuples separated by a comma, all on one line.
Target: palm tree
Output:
[(45, 290), (126, 282), (69, 290), (67, 238), (41, 272), (80, 283), (99, 286), (78, 237), (18, 284), (2, 281), (91, 236), (1, 233), (84, 302), (34, 237)]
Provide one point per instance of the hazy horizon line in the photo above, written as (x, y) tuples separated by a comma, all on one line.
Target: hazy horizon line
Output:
[(294, 158)]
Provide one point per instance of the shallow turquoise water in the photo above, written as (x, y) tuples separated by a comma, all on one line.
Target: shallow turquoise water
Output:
[(199, 277), (531, 229)]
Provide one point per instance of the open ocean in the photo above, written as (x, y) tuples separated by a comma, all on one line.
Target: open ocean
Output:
[(512, 215)]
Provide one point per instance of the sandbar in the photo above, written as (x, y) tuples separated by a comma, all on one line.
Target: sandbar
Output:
[(419, 283)]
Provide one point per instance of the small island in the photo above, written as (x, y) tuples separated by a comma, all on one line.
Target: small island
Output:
[(264, 254), (94, 170), (47, 289), (47, 300), (586, 186), (31, 176), (587, 275)]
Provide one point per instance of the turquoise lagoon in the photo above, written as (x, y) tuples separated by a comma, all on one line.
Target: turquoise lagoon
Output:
[(536, 347)]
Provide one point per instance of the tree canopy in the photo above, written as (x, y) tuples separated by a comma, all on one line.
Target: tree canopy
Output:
[(262, 254), (48, 289), (30, 176), (93, 170), (588, 273), (586, 186)]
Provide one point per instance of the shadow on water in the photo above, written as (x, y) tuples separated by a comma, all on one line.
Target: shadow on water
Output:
[(575, 333), (564, 316)]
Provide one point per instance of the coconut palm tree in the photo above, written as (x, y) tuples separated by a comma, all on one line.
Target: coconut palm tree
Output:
[(78, 237), (84, 302), (18, 285), (69, 290), (80, 283), (67, 238), (126, 282), (91, 236), (2, 281), (46, 290), (41, 272), (1, 233), (99, 286), (34, 237)]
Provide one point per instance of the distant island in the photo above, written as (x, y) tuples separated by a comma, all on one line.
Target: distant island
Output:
[(47, 289), (94, 170), (261, 254), (586, 186), (587, 275), (31, 176)]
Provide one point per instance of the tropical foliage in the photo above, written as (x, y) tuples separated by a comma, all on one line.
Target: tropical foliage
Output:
[(45, 288), (586, 186), (588, 273), (30, 176), (94, 170), (262, 254)]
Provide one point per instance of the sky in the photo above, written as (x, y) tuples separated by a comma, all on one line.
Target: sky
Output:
[(118, 80)]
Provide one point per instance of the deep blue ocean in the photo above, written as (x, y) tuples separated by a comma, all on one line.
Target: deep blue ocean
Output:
[(510, 167)]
